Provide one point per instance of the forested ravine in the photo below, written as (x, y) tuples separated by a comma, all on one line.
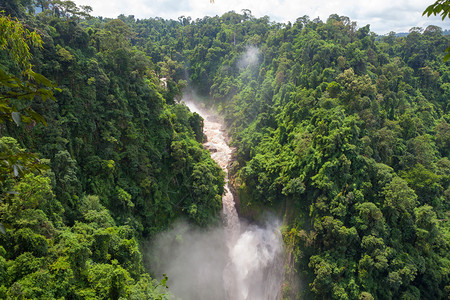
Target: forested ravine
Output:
[(255, 267), (341, 133)]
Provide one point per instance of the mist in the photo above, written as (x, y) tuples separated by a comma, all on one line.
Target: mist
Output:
[(193, 259), (255, 268), (200, 264), (251, 57)]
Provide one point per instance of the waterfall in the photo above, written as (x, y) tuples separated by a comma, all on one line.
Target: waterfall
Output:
[(254, 268)]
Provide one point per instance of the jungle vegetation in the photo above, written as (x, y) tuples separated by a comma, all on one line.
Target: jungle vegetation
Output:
[(343, 133)]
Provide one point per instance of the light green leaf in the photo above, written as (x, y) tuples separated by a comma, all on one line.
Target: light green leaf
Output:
[(15, 115)]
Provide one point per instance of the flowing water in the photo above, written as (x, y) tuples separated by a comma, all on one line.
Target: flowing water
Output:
[(254, 266)]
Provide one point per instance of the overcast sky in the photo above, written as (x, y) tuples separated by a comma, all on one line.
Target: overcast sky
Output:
[(382, 15)]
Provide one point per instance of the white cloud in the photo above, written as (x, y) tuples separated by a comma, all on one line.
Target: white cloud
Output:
[(383, 15)]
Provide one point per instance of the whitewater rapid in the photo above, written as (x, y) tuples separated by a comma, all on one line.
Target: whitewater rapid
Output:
[(254, 268)]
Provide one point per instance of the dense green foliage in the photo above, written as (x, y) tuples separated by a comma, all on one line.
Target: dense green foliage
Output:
[(343, 133), (119, 160), (440, 7)]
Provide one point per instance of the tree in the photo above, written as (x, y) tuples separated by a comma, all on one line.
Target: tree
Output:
[(440, 7), (14, 163), (16, 92), (116, 35), (69, 9)]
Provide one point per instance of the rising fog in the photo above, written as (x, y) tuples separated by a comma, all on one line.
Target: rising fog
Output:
[(194, 261), (251, 57), (201, 266)]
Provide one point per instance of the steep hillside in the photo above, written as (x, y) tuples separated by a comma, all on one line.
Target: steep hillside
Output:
[(96, 169)]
